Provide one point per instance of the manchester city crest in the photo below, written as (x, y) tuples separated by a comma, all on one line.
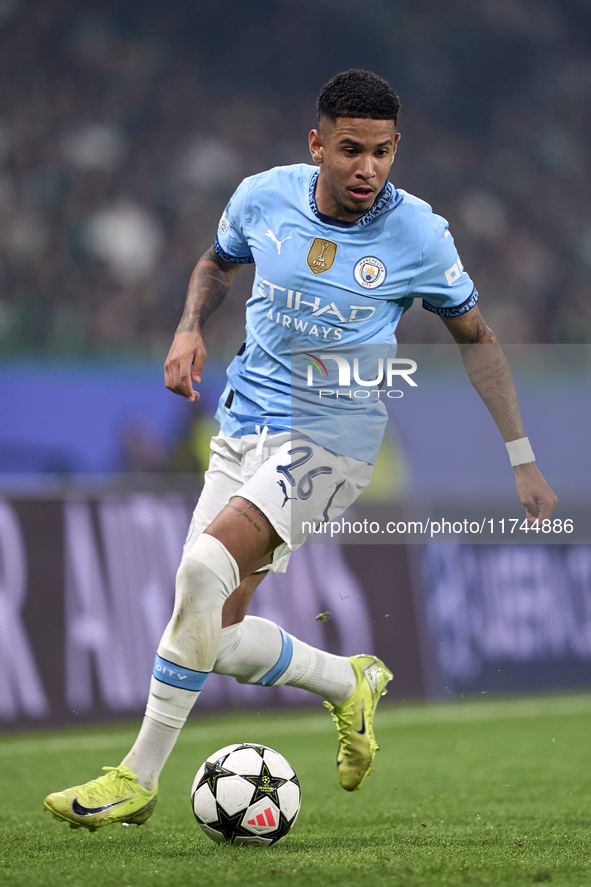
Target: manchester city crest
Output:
[(370, 272)]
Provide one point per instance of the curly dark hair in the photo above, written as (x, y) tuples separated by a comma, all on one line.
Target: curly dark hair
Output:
[(358, 93)]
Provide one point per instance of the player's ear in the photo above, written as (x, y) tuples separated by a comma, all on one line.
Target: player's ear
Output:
[(316, 144), (396, 140)]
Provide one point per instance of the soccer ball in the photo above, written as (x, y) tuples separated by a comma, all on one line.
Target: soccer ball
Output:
[(246, 794)]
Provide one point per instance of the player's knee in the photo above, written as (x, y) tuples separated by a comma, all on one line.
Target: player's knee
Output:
[(187, 575), (207, 568)]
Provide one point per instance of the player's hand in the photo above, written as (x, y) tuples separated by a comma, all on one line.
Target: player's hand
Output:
[(184, 364), (534, 493)]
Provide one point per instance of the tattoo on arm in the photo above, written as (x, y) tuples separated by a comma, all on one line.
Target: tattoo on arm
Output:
[(207, 290), (488, 370), (470, 328), (491, 377), (478, 330)]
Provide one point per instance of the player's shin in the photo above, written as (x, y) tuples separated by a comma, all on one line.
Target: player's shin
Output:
[(257, 651), (208, 574)]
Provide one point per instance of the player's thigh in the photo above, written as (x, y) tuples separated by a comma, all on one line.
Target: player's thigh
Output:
[(302, 486), (246, 533), (222, 480)]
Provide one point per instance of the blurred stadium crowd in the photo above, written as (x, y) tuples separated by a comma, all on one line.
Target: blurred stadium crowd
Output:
[(124, 128)]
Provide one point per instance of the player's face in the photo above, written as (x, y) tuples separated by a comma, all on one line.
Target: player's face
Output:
[(355, 156)]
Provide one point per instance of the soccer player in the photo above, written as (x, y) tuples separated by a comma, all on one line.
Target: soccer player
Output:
[(339, 254)]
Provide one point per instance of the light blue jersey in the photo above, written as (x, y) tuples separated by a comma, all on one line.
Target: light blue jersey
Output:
[(320, 281)]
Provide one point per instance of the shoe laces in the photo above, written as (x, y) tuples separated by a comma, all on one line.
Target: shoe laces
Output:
[(343, 721), (101, 789)]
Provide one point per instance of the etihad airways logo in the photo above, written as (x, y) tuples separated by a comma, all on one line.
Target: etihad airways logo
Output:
[(309, 316), (281, 296)]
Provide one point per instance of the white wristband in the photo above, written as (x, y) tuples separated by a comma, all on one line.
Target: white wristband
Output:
[(520, 451)]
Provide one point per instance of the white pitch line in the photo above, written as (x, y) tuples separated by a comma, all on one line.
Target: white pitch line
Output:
[(252, 730)]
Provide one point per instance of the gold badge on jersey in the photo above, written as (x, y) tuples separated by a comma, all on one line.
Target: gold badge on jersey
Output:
[(321, 255)]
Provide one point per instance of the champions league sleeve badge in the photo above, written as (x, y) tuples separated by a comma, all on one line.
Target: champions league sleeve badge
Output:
[(370, 272)]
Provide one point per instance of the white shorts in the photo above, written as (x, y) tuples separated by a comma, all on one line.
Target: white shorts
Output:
[(296, 483)]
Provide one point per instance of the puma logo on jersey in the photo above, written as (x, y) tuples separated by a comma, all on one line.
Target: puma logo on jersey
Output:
[(277, 243)]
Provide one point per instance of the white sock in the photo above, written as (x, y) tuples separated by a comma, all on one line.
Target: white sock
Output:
[(151, 749), (256, 651), (208, 574)]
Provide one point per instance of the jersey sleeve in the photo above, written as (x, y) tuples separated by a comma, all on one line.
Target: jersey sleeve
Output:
[(445, 288), (231, 243)]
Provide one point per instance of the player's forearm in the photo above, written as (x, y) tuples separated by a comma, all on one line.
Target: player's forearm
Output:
[(490, 375), (208, 287), (488, 370)]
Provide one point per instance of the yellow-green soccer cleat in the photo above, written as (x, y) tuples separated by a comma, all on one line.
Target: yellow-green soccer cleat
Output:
[(354, 721), (115, 797)]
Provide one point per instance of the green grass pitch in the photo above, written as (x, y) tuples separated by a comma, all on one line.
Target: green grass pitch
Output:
[(491, 791)]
